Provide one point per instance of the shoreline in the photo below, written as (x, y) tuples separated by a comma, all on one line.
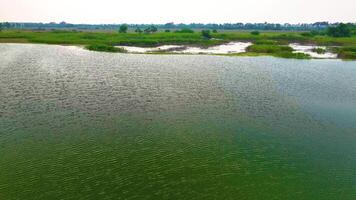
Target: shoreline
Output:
[(245, 54), (240, 54)]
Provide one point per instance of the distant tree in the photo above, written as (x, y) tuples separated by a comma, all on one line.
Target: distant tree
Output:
[(151, 29), (206, 34), (0, 27), (123, 28), (6, 25), (147, 30), (167, 30), (215, 31), (138, 30), (255, 32), (169, 25), (342, 30)]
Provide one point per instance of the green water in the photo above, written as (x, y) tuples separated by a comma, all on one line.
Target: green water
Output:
[(76, 124)]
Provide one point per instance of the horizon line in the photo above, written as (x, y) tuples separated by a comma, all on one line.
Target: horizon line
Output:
[(178, 23)]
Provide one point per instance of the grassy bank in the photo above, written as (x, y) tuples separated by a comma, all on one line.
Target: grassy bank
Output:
[(347, 52), (270, 43), (282, 51)]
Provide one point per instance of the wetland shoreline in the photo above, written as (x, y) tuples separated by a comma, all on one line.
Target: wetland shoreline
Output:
[(277, 44)]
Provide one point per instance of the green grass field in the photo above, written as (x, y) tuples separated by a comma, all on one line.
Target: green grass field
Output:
[(344, 46)]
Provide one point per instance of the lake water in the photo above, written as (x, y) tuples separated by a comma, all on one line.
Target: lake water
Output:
[(76, 124)]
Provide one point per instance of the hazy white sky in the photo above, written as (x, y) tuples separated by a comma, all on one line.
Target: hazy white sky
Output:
[(178, 11)]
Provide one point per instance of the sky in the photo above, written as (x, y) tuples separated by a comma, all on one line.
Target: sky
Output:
[(177, 11)]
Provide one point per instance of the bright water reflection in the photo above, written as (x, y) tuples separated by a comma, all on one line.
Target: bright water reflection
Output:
[(232, 47)]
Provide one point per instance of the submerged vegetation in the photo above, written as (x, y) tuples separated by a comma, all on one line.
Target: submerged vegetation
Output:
[(270, 43), (319, 50)]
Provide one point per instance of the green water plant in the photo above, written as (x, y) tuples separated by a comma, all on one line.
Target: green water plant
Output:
[(319, 50), (104, 48), (268, 48)]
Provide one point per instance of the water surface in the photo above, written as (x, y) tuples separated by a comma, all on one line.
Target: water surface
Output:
[(76, 124)]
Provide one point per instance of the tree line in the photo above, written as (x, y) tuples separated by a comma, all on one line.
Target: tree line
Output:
[(172, 26)]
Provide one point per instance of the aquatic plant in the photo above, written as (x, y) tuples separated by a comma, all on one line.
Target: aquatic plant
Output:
[(292, 55), (104, 48), (265, 48), (319, 50), (165, 38)]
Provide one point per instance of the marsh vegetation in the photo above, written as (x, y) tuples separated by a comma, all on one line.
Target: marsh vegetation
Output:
[(104, 48), (270, 43)]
